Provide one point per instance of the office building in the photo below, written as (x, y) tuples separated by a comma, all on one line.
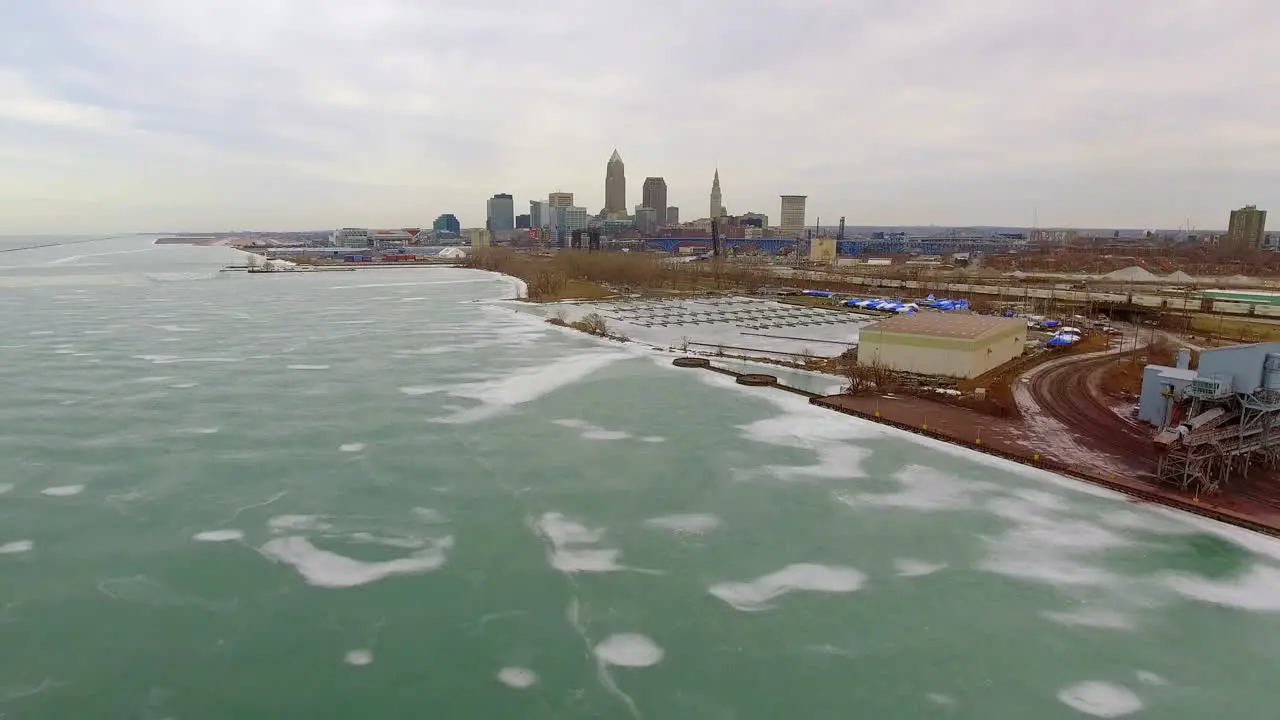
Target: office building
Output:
[(539, 213), (755, 220), (1248, 228), (793, 215), (654, 195), (646, 219), (615, 185), (447, 224), (522, 222), (717, 203), (560, 199), (673, 215), (501, 214)]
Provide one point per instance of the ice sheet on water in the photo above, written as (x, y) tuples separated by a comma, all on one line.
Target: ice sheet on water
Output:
[(592, 432), (759, 594), (215, 536), (910, 568), (629, 650), (528, 384), (685, 523), (517, 677), (1101, 699), (1257, 590), (324, 568), (63, 490), (16, 547), (1100, 618)]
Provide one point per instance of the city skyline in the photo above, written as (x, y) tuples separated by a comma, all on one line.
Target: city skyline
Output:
[(253, 119)]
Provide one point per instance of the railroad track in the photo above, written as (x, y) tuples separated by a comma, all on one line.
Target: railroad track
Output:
[(1070, 393)]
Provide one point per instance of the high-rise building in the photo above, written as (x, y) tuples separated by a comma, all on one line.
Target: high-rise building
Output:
[(673, 215), (717, 204), (1248, 228), (654, 195), (538, 213), (615, 185), (646, 219), (447, 223), (501, 213), (793, 215), (522, 222), (752, 219), (560, 199)]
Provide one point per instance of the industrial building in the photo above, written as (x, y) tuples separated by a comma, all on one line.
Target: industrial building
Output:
[(954, 345), (1218, 420), (822, 250)]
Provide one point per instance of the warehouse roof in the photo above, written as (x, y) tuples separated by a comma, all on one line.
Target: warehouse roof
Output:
[(946, 325)]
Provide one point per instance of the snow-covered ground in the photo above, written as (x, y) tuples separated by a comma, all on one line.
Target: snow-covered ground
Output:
[(767, 328)]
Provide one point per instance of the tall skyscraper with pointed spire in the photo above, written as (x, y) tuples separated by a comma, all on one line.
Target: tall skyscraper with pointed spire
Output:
[(615, 185), (717, 206)]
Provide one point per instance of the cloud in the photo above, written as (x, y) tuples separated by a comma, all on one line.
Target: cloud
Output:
[(290, 113)]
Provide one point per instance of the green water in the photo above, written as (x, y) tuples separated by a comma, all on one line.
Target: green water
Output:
[(391, 494)]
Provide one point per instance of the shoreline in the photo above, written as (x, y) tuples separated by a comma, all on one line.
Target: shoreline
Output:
[(1167, 498)]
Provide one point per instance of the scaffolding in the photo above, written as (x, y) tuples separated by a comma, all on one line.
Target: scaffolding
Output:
[(1224, 434)]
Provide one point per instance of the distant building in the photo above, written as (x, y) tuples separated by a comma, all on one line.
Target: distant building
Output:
[(560, 199), (717, 200), (351, 237), (654, 195), (646, 219), (673, 216), (539, 213), (948, 344), (793, 215), (522, 222), (755, 220), (479, 238), (615, 185), (501, 213), (447, 224), (1247, 230)]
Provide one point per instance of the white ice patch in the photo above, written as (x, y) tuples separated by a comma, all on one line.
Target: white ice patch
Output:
[(201, 431), (16, 547), (923, 489), (592, 432), (306, 367), (1053, 551), (178, 328), (517, 677), (184, 385), (629, 650), (358, 657), (760, 593), (323, 568), (1146, 677), (653, 439), (5, 487), (351, 447), (433, 517), (1101, 699), (910, 568), (289, 523), (685, 523), (1099, 618), (218, 535), (415, 391), (526, 385), (63, 490), (572, 546), (1258, 590)]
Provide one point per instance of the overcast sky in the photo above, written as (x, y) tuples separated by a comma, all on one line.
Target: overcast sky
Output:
[(120, 115)]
